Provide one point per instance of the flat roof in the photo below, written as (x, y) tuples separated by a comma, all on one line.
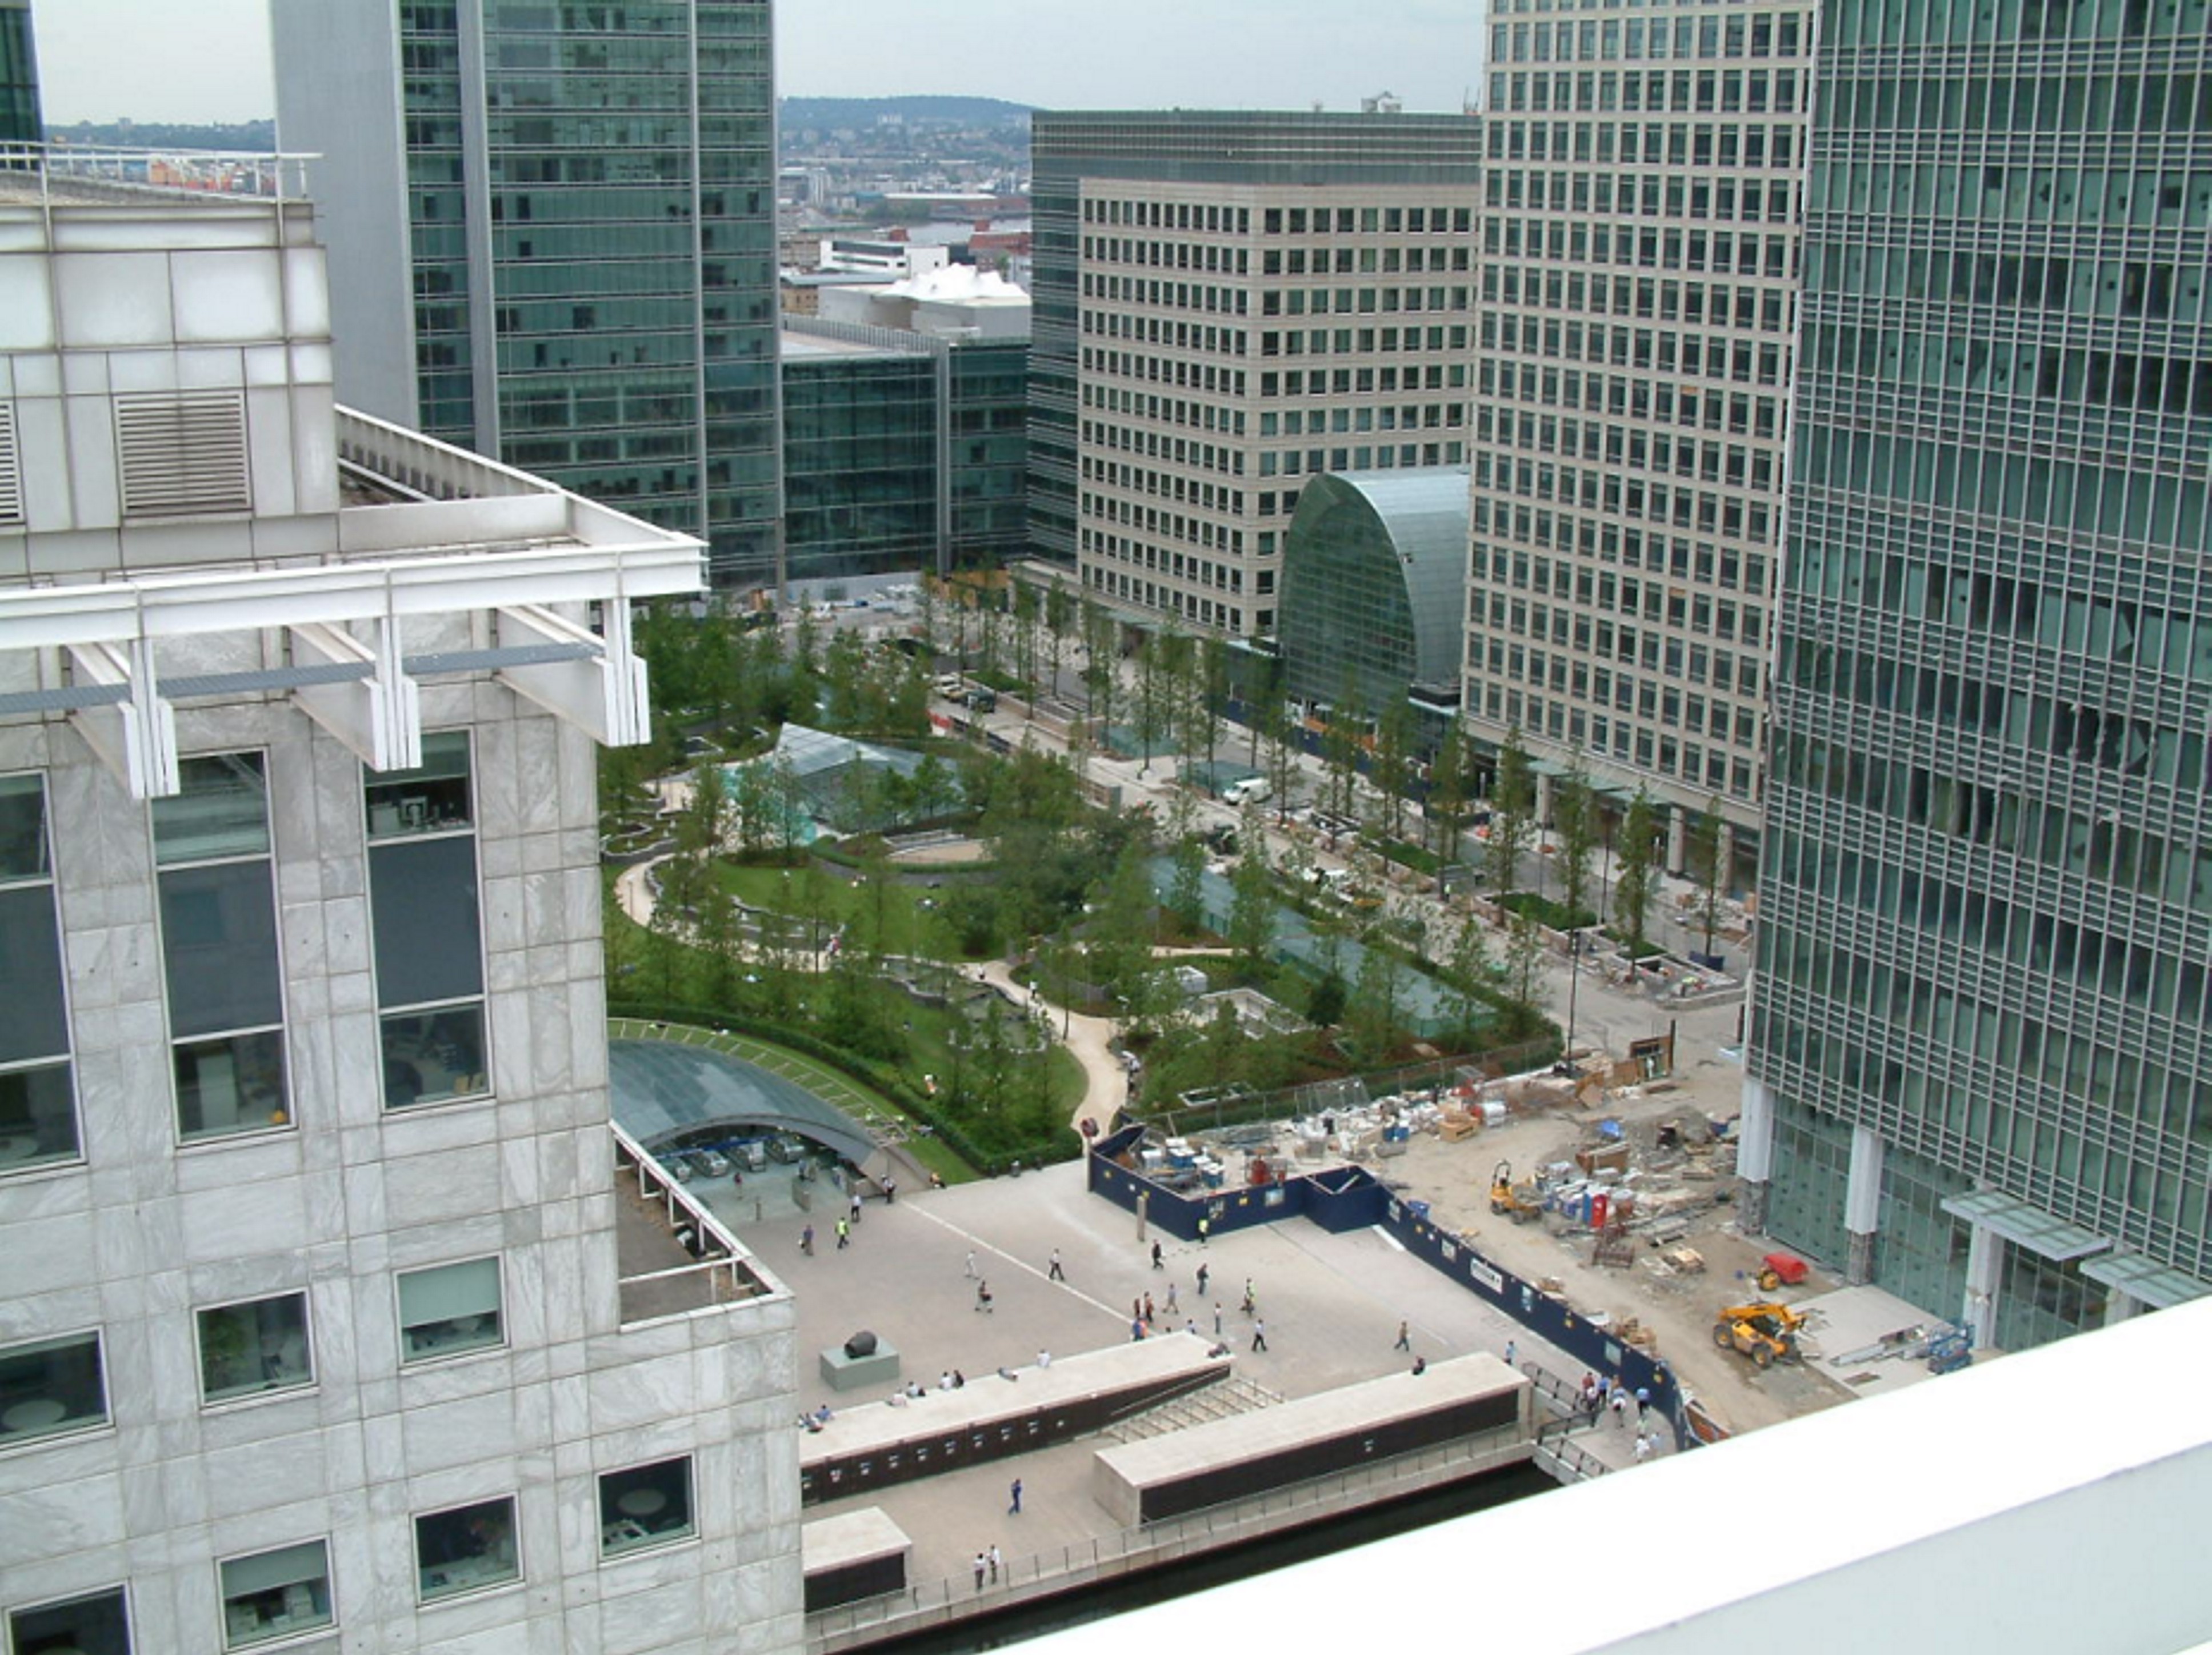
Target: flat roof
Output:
[(987, 1396), (1967, 1514), (1377, 1401)]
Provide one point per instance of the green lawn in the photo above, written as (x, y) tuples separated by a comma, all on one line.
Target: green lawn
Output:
[(837, 898)]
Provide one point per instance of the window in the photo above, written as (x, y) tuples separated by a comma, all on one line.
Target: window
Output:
[(250, 1349), (38, 1114), (51, 1385), (449, 1309), (466, 1549), (97, 1624), (277, 1594), (646, 1505), (219, 947), (429, 951)]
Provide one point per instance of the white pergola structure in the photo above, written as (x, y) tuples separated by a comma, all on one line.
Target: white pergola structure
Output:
[(544, 578)]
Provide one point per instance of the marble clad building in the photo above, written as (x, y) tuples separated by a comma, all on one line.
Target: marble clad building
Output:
[(331, 1317)]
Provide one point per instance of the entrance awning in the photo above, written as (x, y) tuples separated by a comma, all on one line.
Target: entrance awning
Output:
[(2141, 1277), (2026, 1226)]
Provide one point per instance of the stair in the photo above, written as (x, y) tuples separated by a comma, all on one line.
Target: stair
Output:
[(1224, 1400)]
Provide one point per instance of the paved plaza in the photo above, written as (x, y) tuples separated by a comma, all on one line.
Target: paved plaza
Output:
[(1332, 1304)]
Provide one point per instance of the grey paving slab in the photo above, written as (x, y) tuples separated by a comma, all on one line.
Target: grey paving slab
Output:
[(1332, 1304)]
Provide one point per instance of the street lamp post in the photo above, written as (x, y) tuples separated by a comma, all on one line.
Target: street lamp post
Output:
[(1574, 985)]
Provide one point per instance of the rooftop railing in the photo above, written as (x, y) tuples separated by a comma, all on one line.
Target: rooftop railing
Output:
[(73, 173)]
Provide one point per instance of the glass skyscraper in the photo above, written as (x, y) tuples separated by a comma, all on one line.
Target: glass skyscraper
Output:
[(1981, 1074), (19, 122), (553, 239)]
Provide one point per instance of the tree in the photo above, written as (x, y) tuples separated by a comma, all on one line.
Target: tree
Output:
[(1325, 1004), (1062, 613), (1340, 771), (1574, 823), (1189, 889), (1633, 867), (1025, 642), (1704, 859), (1279, 741), (1102, 681), (1512, 797), (1212, 688), (1252, 906), (1122, 933), (1151, 692), (1471, 972), (1524, 952), (1445, 813), (1394, 758), (1373, 1008)]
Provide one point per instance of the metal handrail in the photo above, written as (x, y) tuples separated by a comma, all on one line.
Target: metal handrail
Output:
[(1043, 1573), (256, 176)]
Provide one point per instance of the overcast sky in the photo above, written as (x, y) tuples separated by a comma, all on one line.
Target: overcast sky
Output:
[(208, 60)]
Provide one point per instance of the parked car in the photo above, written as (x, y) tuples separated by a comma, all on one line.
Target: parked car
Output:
[(713, 1163), (752, 1154)]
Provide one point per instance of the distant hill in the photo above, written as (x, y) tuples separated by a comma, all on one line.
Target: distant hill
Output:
[(831, 115), (251, 137)]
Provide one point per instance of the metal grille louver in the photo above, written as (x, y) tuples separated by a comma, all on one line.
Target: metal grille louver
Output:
[(11, 469), (182, 453)]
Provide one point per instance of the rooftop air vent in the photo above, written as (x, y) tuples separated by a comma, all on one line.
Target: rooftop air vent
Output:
[(182, 453)]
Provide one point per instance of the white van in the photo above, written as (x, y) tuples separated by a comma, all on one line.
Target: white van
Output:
[(1252, 790)]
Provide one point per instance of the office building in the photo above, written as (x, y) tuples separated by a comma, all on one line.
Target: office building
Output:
[(333, 1316), (1229, 304), (905, 429), (20, 120), (1981, 1075), (553, 239), (1640, 267), (1374, 586)]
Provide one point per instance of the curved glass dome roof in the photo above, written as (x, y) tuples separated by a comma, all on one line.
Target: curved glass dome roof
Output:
[(665, 1094), (1375, 585)]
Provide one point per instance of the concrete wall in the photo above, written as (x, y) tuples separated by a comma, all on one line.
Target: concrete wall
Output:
[(336, 1200), (336, 71)]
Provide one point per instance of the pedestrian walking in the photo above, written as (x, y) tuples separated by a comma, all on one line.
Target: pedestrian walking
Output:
[(1150, 1316), (890, 1192), (1172, 1305), (1508, 1353), (1056, 1273), (1201, 1281), (1620, 1409), (971, 1263), (1643, 1406), (1155, 1257), (1217, 1321), (1205, 1230), (1136, 1329), (856, 1207), (1260, 1334), (806, 1241), (995, 1564), (1247, 1295), (983, 1297), (1405, 1338), (1642, 1448), (1015, 1510), (980, 1561), (844, 1235)]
